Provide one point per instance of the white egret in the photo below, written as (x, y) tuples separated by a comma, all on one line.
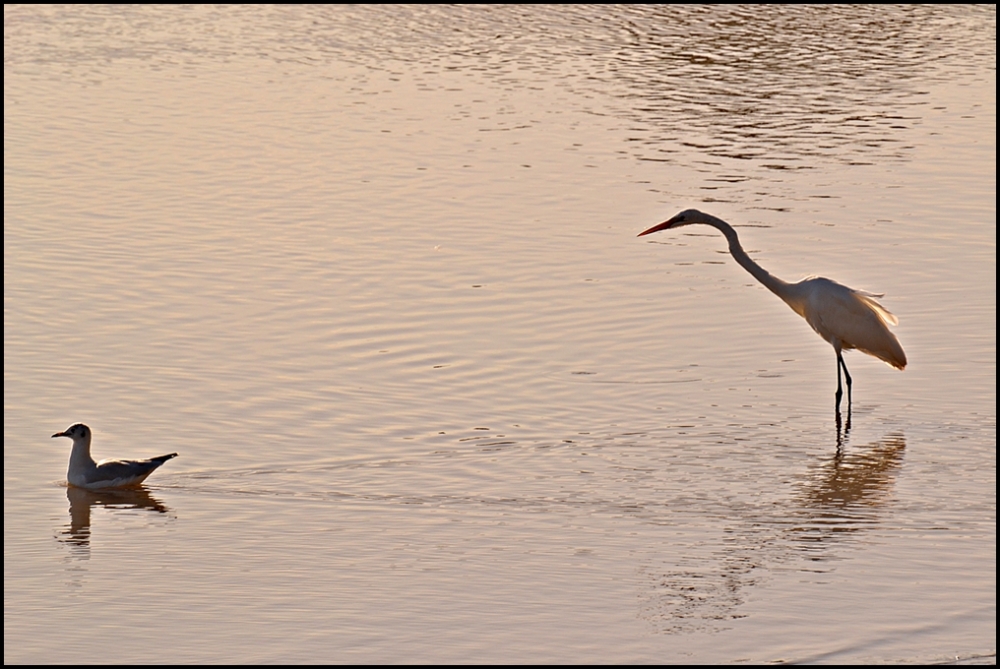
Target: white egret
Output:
[(845, 317)]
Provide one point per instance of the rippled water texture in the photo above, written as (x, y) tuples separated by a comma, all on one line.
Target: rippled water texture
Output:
[(373, 273)]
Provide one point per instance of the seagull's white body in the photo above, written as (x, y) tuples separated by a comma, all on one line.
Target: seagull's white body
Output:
[(84, 472)]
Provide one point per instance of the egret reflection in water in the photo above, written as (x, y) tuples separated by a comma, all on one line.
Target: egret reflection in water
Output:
[(836, 500), (848, 492)]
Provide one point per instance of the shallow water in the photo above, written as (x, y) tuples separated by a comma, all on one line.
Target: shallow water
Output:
[(373, 273)]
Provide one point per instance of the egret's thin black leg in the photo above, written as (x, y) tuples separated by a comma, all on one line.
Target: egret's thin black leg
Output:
[(847, 375), (842, 435), (840, 389)]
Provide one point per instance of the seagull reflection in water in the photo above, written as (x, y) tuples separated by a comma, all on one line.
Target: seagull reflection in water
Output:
[(81, 501)]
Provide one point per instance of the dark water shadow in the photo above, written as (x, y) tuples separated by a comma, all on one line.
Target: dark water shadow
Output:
[(77, 534)]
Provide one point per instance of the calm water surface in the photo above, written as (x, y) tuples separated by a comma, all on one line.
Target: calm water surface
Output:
[(373, 273)]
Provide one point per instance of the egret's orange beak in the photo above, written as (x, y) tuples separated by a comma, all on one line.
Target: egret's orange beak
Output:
[(657, 228)]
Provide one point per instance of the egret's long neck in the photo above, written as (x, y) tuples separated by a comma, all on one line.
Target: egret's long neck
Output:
[(773, 283)]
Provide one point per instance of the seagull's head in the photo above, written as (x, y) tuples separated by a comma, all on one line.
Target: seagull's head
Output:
[(78, 432)]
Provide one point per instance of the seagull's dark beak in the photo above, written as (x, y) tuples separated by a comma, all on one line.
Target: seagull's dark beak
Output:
[(60, 434)]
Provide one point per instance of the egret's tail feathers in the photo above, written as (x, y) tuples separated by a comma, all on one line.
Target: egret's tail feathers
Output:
[(869, 299), (889, 351)]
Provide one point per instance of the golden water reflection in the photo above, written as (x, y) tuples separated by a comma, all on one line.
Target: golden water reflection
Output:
[(837, 499), (846, 492)]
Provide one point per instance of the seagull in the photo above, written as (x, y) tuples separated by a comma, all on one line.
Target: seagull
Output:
[(85, 473)]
